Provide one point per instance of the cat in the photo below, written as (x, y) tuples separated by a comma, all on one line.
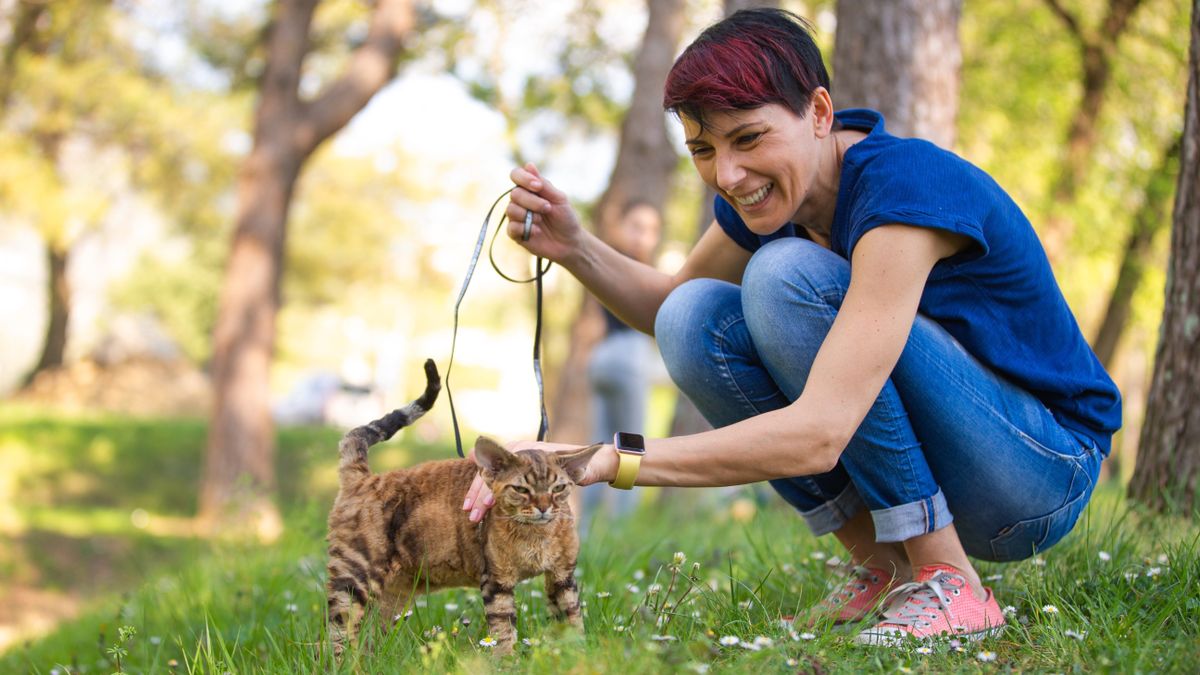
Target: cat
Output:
[(395, 534)]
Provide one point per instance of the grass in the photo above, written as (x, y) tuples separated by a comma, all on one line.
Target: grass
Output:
[(1126, 585)]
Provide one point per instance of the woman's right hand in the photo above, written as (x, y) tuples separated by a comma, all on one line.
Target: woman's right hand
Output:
[(556, 234)]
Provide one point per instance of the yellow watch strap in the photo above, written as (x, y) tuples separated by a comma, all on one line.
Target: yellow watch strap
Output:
[(628, 464)]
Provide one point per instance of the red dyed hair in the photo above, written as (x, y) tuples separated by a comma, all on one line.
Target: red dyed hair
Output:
[(752, 58)]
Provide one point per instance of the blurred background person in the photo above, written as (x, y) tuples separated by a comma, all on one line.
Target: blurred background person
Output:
[(621, 367)]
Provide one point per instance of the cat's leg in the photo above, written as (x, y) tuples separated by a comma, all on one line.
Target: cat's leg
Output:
[(562, 594), (346, 600), (501, 609)]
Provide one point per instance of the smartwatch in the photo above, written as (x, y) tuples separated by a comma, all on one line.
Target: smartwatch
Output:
[(630, 450)]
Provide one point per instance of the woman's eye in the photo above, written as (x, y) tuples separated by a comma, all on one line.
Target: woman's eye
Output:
[(748, 139), (701, 152)]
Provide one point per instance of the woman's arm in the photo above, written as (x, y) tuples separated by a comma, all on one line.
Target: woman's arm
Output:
[(890, 266), (630, 289)]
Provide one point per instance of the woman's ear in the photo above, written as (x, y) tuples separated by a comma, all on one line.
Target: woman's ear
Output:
[(822, 112), (575, 462), (491, 456)]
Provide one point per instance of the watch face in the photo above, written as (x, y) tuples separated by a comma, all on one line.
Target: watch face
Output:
[(630, 442)]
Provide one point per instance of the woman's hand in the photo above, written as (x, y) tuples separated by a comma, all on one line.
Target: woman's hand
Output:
[(602, 468), (556, 233)]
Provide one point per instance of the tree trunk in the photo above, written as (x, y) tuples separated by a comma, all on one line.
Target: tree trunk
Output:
[(1167, 474), (643, 170), (1096, 52), (902, 58), (239, 476), (1146, 225), (58, 287)]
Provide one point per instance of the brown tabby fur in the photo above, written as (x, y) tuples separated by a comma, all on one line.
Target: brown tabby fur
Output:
[(403, 532)]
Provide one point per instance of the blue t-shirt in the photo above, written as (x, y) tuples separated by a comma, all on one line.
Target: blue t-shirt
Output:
[(998, 298)]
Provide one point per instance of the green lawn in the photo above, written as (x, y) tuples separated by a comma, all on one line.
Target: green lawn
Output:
[(1126, 586)]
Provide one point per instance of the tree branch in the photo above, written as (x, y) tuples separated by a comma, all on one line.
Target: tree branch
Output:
[(1067, 18), (371, 66), (1117, 19)]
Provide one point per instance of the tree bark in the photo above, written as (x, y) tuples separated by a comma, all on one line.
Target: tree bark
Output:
[(54, 346), (1147, 223), (239, 474), (643, 170), (902, 58), (1096, 52), (1167, 473)]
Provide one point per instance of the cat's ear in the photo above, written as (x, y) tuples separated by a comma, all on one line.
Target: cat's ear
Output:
[(491, 456), (576, 461)]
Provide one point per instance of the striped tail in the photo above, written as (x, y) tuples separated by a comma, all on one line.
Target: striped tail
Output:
[(353, 447)]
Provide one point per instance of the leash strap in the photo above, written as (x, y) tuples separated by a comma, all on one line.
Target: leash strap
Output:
[(541, 270)]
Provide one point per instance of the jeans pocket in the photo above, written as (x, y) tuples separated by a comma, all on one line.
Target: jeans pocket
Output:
[(1028, 537)]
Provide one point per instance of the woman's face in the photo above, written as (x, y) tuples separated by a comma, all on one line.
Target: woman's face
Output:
[(763, 161)]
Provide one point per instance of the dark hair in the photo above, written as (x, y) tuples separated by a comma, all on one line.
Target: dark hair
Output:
[(635, 202), (752, 58)]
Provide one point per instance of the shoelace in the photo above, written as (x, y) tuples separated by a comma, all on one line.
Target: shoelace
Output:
[(851, 586), (920, 601)]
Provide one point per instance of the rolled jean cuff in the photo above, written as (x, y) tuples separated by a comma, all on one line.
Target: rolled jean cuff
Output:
[(833, 514), (901, 523)]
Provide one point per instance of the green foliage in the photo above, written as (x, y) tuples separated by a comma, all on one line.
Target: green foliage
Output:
[(1124, 584)]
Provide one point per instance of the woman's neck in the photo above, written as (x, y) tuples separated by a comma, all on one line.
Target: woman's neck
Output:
[(816, 214)]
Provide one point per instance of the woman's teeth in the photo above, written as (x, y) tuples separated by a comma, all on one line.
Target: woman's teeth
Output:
[(755, 197)]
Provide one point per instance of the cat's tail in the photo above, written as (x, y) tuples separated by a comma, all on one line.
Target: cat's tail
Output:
[(353, 447)]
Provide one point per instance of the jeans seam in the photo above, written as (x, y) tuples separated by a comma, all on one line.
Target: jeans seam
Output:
[(965, 385)]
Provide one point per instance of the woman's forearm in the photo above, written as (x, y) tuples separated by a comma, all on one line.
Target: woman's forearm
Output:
[(777, 444), (628, 288)]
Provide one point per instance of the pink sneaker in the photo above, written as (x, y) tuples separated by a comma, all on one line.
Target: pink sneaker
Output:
[(856, 599), (937, 603)]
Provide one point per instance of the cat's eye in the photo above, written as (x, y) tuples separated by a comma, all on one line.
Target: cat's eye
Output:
[(520, 490), (560, 487)]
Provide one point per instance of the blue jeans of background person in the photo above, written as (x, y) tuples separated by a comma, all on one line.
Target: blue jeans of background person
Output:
[(947, 439), (619, 377)]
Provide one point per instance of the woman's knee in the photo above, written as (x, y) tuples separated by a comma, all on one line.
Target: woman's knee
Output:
[(787, 268), (692, 317)]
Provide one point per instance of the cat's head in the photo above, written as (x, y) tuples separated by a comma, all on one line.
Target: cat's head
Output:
[(530, 486)]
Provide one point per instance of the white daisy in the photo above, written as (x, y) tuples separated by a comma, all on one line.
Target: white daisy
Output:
[(603, 594), (729, 640), (638, 575), (817, 555), (1154, 571), (451, 607), (1009, 610), (763, 641), (1072, 634), (291, 607), (680, 558), (488, 641), (924, 650), (986, 657), (663, 638), (1104, 556), (1050, 609), (808, 636)]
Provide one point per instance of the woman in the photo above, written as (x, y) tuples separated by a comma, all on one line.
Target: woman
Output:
[(872, 326)]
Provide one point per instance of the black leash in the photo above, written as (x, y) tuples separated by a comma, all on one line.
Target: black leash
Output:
[(541, 270)]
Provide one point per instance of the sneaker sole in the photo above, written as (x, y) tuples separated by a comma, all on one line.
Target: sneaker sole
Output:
[(899, 638)]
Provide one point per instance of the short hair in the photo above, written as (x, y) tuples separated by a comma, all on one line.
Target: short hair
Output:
[(752, 58)]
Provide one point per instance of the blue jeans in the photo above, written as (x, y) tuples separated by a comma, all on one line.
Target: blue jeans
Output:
[(946, 440)]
